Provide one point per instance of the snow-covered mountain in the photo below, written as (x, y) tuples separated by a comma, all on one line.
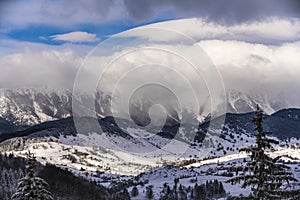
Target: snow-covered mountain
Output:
[(235, 134), (242, 102), (28, 106), (145, 160), (32, 106)]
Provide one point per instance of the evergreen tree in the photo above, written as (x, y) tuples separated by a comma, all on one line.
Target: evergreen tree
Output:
[(176, 181), (8, 182), (192, 196), (134, 191), (221, 190), (149, 192), (123, 194), (31, 187), (182, 194), (209, 190), (264, 174), (199, 192), (166, 193)]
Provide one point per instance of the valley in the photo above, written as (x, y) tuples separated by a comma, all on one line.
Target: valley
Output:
[(143, 161)]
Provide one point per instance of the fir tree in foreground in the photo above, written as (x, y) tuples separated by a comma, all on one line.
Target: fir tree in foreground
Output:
[(267, 178), (31, 187)]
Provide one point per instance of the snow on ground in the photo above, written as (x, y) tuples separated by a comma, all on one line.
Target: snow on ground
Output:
[(135, 155), (218, 160), (88, 158), (83, 156), (187, 177)]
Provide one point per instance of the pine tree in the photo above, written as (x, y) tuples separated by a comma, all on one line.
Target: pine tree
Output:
[(123, 194), (31, 187), (8, 182), (149, 192), (264, 174), (221, 190), (199, 192), (182, 194), (134, 191), (166, 193)]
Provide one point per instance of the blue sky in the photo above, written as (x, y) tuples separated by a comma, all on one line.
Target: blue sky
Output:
[(37, 21), (40, 31)]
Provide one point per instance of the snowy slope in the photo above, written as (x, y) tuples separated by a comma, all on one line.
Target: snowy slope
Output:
[(144, 161), (106, 166), (138, 153)]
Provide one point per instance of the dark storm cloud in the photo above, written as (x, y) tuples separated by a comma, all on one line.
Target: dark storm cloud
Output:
[(224, 11), (68, 13)]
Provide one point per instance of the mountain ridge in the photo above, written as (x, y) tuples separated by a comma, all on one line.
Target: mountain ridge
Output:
[(278, 123), (31, 106)]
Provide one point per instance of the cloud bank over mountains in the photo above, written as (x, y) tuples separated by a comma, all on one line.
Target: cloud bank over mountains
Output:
[(248, 59), (255, 45)]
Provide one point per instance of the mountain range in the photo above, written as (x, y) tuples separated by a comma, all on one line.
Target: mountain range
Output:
[(29, 106), (42, 122)]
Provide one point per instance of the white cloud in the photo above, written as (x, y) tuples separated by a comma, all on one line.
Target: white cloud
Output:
[(267, 68), (55, 69), (65, 13), (272, 31), (77, 36), (25, 64), (256, 67)]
